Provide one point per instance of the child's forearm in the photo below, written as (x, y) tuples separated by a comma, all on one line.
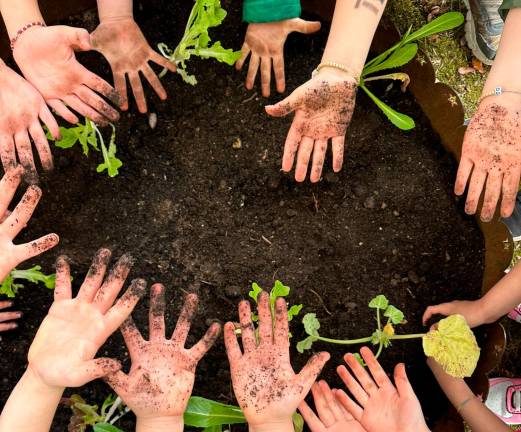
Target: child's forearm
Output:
[(352, 31), (503, 297), (469, 406), (111, 9), (18, 14), (506, 71), (31, 405)]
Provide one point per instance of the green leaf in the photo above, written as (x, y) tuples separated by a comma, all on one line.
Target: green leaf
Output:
[(205, 413), (255, 291), (453, 346), (394, 314), (106, 427), (10, 287), (219, 53), (399, 58), (311, 324), (402, 121), (379, 302), (69, 137), (217, 428), (294, 311), (376, 337), (298, 422), (447, 21), (306, 344), (359, 359), (111, 162), (279, 290)]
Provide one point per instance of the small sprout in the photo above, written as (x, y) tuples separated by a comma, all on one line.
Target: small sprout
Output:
[(10, 286), (379, 302), (196, 40)]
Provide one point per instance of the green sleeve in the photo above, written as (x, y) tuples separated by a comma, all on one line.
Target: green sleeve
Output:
[(507, 5), (261, 11)]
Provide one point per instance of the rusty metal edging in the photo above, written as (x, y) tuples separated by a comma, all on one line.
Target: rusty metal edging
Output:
[(445, 112)]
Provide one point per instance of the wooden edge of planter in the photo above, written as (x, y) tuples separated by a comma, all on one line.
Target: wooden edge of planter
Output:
[(445, 112)]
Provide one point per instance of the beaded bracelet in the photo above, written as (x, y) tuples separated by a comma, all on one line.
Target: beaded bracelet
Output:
[(498, 91), (335, 65), (23, 30)]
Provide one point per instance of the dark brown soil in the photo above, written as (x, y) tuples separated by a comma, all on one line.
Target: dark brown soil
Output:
[(200, 215)]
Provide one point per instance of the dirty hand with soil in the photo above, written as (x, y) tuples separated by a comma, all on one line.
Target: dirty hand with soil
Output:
[(161, 379), (491, 157), (265, 384), (264, 44), (22, 109), (120, 40), (63, 350), (324, 105), (11, 224)]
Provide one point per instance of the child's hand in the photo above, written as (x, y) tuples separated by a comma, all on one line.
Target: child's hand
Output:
[(472, 311), (265, 42), (323, 109), (380, 404), (62, 353), (162, 375), (126, 49), (21, 110), (11, 255), (265, 385), (492, 153), (45, 55), (332, 416), (6, 318)]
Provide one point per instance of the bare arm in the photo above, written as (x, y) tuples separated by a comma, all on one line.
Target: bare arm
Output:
[(19, 13), (473, 411)]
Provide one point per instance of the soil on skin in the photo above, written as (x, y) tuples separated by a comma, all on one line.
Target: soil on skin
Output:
[(203, 207)]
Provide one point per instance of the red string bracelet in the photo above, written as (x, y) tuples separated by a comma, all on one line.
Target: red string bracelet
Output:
[(23, 29)]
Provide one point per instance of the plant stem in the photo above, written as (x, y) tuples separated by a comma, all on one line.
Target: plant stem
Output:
[(345, 341), (410, 336)]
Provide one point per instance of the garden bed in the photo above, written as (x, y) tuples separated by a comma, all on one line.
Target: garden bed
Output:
[(202, 205)]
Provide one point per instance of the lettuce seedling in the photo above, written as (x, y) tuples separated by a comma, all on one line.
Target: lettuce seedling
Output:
[(90, 138), (400, 54), (196, 40), (84, 415), (452, 343), (10, 285)]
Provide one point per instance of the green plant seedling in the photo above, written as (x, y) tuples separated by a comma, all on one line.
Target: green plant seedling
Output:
[(10, 286), (84, 415), (399, 55), (90, 138), (196, 40), (452, 343)]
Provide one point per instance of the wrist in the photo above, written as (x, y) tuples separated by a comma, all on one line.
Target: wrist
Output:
[(283, 426), (160, 424), (114, 10), (115, 19), (38, 384), (18, 14)]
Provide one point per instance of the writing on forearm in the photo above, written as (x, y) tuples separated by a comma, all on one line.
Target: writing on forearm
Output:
[(375, 6)]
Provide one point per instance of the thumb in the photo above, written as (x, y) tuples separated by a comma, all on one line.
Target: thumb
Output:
[(441, 309), (284, 107), (305, 27), (78, 38), (93, 369), (311, 371), (117, 381)]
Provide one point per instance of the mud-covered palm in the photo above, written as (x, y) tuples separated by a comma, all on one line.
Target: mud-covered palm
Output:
[(162, 375), (128, 52), (46, 57), (491, 158), (323, 109), (12, 223), (21, 110), (378, 403), (265, 385), (331, 415), (63, 350), (265, 42)]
